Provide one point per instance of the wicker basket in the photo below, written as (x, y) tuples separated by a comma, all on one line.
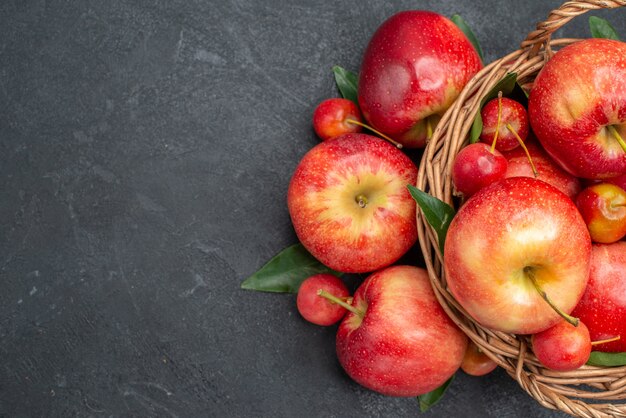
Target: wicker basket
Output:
[(586, 392)]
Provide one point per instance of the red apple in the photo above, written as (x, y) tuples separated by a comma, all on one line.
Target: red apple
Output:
[(316, 308), (399, 341), (562, 347), (475, 167), (330, 118), (603, 305), (476, 362), (547, 169), (513, 114), (349, 203), (577, 108), (618, 181), (414, 67), (509, 244), (603, 207)]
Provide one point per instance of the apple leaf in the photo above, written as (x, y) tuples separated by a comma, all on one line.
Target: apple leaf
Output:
[(347, 83), (601, 28), (598, 358), (507, 86), (437, 212), (286, 271), (429, 399), (462, 24)]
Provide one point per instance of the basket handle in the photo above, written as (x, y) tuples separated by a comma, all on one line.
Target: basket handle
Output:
[(559, 17)]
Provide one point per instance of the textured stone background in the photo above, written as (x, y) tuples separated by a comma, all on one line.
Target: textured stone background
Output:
[(145, 152)]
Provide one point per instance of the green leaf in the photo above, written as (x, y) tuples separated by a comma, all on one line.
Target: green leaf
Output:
[(286, 271), (601, 28), (429, 399), (462, 24), (437, 212), (507, 85), (598, 358), (347, 83)]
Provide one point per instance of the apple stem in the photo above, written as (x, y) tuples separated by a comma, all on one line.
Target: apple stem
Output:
[(334, 299), (608, 340), (617, 136), (382, 135), (429, 129), (531, 275), (361, 200), (495, 135), (521, 142)]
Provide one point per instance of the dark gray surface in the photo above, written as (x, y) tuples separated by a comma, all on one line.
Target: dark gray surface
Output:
[(145, 152)]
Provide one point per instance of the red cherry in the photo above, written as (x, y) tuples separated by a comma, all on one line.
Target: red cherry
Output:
[(331, 118), (477, 166), (475, 362), (316, 308), (562, 347), (513, 120)]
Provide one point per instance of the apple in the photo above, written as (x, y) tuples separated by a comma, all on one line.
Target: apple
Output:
[(414, 67), (476, 166), (332, 117), (509, 118), (618, 181), (603, 305), (349, 203), (562, 347), (547, 170), (398, 340), (577, 108), (603, 207), (476, 362), (516, 253), (317, 299)]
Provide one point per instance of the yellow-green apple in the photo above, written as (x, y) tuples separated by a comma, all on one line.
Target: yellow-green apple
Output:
[(603, 207), (398, 340), (562, 347), (577, 108), (516, 253), (477, 166), (414, 67), (349, 203), (519, 165), (603, 305), (509, 119)]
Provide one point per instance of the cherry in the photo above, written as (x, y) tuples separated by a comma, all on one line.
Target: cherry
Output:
[(603, 207), (333, 117), (476, 166), (562, 347), (476, 362), (319, 299), (504, 120)]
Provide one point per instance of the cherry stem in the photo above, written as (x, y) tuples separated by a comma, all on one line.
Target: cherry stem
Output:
[(608, 340), (495, 135), (617, 136), (334, 299), (382, 135), (521, 142), (531, 275)]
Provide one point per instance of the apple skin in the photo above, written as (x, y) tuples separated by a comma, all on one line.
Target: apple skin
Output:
[(475, 167), (502, 235), (513, 113), (323, 201), (329, 118), (547, 169), (618, 181), (317, 309), (562, 347), (603, 305), (405, 344), (603, 207), (414, 67), (576, 95)]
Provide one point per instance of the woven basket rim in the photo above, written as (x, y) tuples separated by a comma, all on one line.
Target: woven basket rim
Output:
[(589, 391)]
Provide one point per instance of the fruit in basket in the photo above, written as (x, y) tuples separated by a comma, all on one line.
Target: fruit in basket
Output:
[(476, 362), (414, 67), (510, 247), (316, 308), (332, 117), (399, 341), (562, 347), (475, 167), (618, 181), (577, 108), (603, 305), (349, 203), (547, 169), (603, 207), (508, 118)]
